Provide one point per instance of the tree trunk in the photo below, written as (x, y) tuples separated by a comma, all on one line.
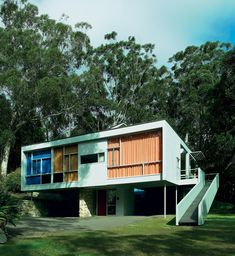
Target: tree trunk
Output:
[(5, 158)]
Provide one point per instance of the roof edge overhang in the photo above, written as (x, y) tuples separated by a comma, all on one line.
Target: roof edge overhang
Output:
[(98, 135)]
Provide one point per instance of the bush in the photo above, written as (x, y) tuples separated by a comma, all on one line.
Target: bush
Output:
[(222, 208), (12, 182), (9, 205), (9, 208)]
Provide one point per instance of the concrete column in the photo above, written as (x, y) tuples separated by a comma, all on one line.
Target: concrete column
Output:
[(86, 203), (187, 165), (176, 196), (165, 201)]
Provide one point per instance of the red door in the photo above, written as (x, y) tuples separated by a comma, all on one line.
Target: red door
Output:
[(101, 202)]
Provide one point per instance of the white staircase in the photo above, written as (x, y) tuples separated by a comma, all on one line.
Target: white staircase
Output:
[(194, 207)]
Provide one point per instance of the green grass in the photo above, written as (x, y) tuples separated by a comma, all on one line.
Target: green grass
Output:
[(154, 236)]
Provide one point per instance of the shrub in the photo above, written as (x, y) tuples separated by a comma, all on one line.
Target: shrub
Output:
[(222, 208), (9, 208), (9, 205), (12, 181)]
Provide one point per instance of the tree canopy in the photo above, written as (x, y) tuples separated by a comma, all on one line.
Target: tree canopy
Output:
[(54, 83)]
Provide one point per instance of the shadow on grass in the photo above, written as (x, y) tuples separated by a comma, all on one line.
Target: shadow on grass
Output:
[(171, 222), (194, 241), (216, 237), (36, 226)]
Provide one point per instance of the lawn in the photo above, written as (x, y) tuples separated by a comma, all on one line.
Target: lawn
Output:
[(153, 236)]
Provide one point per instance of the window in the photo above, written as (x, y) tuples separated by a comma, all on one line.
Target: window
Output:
[(114, 152), (66, 163), (46, 165), (101, 157), (46, 179), (88, 159), (71, 158), (40, 162), (111, 202), (92, 158), (38, 167), (58, 177)]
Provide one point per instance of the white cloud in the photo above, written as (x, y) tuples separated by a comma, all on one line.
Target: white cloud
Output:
[(170, 24)]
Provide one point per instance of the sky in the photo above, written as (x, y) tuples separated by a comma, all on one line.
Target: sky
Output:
[(171, 25)]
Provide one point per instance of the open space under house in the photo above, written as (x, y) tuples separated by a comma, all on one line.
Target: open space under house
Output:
[(138, 170)]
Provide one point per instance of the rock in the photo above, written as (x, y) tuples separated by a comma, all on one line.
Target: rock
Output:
[(29, 208), (3, 237)]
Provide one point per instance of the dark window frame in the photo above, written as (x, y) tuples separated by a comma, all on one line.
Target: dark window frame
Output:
[(92, 158)]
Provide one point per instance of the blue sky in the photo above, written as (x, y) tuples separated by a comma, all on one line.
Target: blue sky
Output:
[(169, 24)]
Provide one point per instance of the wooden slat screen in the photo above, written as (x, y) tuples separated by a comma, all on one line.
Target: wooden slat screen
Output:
[(66, 160), (135, 155), (113, 143), (141, 148), (71, 149), (71, 176), (73, 162), (66, 163), (58, 159)]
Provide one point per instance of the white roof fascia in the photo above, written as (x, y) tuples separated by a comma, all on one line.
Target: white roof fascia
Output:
[(98, 135), (181, 141)]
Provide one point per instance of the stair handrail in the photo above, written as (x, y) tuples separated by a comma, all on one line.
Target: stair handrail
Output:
[(192, 173), (207, 200), (184, 204)]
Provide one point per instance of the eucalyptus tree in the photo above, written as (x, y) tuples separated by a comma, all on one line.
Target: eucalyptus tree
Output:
[(38, 59), (125, 82), (196, 71), (204, 79), (222, 123)]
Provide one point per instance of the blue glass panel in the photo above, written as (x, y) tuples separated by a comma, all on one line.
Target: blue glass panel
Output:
[(28, 164), (46, 165), (37, 163), (36, 167), (42, 154), (33, 180)]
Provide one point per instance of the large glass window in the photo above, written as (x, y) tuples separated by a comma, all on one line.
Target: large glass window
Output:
[(46, 165), (40, 162), (38, 167), (111, 202)]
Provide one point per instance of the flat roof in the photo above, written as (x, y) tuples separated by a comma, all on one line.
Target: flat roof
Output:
[(98, 135)]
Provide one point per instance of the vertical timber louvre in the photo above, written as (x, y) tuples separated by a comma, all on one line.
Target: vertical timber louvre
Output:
[(66, 163), (135, 155)]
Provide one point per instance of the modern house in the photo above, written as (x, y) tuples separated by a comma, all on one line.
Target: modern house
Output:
[(124, 171)]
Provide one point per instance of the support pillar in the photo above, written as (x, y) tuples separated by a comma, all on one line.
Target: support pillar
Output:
[(187, 165), (164, 200), (176, 196)]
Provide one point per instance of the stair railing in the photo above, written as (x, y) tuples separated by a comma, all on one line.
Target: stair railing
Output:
[(184, 204), (189, 173), (207, 200)]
